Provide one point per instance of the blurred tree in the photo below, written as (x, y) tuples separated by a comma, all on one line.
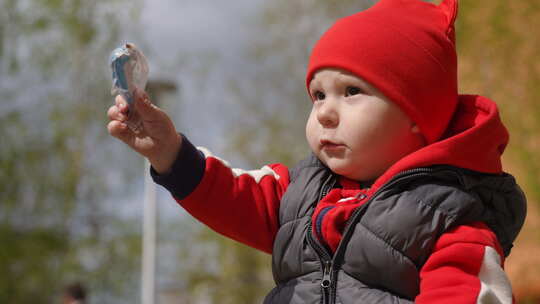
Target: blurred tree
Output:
[(55, 171), (498, 44)]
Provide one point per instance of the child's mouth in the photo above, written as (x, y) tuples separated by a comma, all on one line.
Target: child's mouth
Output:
[(328, 145)]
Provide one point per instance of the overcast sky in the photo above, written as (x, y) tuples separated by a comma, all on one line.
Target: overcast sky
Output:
[(177, 37), (197, 25)]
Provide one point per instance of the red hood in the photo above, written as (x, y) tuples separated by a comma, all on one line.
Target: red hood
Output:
[(475, 139)]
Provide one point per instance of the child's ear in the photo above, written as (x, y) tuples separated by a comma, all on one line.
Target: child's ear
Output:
[(450, 10)]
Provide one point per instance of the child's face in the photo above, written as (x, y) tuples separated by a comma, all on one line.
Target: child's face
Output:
[(354, 129)]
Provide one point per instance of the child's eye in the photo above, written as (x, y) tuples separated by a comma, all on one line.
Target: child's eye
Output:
[(350, 91), (319, 95)]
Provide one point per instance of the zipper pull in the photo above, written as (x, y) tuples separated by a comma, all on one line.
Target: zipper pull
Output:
[(361, 196), (326, 281)]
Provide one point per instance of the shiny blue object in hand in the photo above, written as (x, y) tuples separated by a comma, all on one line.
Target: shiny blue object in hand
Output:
[(129, 71)]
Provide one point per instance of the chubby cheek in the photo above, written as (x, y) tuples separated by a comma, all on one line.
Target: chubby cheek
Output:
[(312, 134)]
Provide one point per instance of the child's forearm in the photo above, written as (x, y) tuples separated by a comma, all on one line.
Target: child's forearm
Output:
[(162, 162), (466, 266), (240, 204)]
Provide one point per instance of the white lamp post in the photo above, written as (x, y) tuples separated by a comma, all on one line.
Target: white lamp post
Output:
[(155, 90)]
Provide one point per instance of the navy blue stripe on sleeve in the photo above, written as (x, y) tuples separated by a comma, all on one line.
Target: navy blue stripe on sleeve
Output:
[(186, 172)]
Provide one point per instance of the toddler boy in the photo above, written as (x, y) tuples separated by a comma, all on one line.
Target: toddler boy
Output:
[(403, 199)]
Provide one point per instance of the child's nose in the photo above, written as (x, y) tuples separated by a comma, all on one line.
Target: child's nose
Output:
[(327, 114)]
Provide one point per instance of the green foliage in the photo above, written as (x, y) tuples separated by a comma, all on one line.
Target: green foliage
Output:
[(225, 271), (55, 225), (26, 274)]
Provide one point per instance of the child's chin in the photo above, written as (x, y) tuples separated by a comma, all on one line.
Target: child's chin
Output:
[(340, 167), (347, 170)]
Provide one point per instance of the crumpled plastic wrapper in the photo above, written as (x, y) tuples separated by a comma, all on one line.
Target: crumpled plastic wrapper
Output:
[(129, 72)]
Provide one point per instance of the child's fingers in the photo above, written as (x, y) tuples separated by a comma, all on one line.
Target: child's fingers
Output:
[(120, 130), (121, 103), (114, 113)]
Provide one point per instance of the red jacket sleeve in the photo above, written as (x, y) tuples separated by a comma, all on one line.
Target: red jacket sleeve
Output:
[(240, 204), (466, 266)]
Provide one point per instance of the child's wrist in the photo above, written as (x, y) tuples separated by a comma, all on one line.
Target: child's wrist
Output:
[(163, 162)]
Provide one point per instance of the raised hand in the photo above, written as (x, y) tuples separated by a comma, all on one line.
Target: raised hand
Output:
[(158, 140)]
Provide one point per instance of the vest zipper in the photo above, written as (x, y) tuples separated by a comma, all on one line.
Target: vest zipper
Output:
[(326, 280), (347, 232), (327, 186), (326, 263), (322, 253), (331, 263)]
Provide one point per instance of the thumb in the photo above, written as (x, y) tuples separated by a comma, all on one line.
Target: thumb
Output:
[(144, 107)]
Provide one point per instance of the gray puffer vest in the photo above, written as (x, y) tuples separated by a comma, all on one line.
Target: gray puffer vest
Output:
[(394, 230)]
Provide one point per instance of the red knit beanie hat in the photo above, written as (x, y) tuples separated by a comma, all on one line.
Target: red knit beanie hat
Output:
[(404, 48)]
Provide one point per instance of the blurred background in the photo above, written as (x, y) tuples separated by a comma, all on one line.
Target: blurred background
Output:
[(231, 75)]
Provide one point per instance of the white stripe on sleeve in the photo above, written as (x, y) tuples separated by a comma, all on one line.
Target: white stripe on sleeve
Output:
[(257, 175), (494, 284)]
